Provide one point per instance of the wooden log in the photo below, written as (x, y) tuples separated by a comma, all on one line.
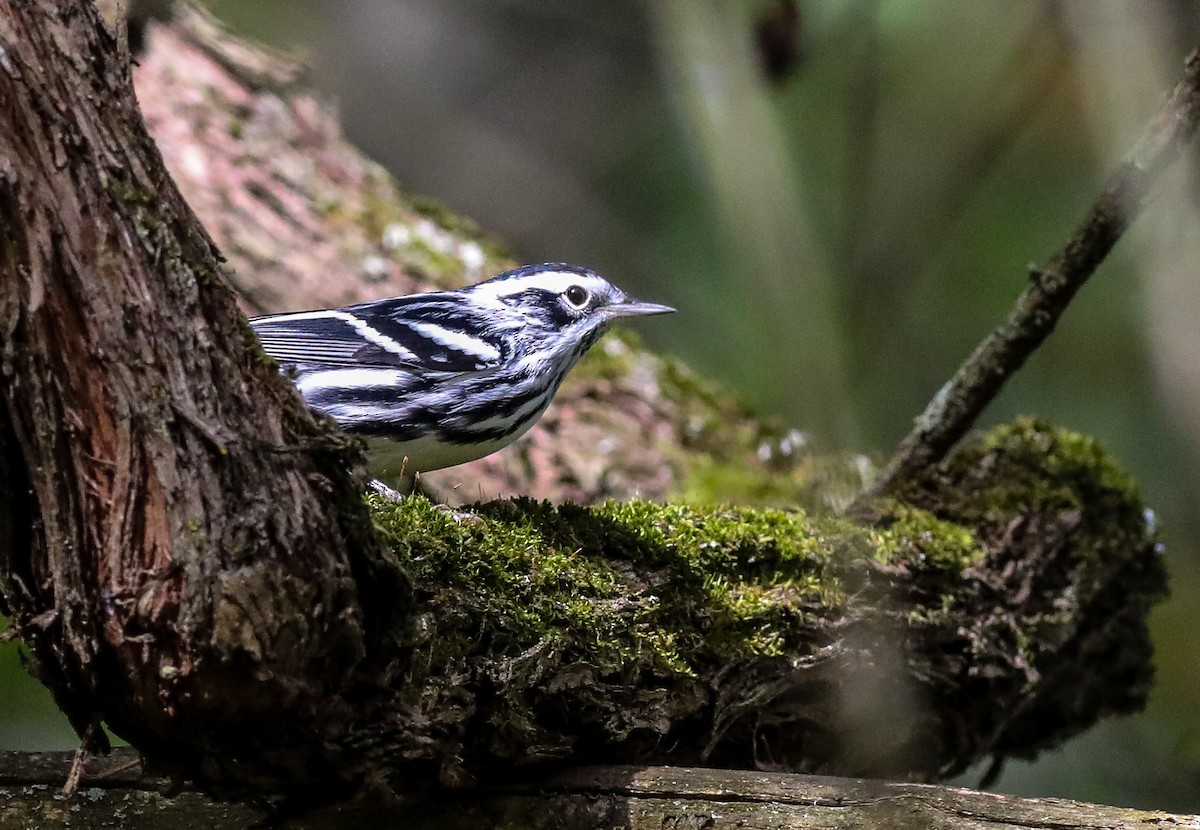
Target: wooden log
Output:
[(587, 798)]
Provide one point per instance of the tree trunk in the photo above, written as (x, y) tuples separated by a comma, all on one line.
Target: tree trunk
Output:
[(176, 519)]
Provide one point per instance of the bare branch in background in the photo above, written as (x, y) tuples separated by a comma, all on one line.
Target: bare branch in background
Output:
[(955, 407)]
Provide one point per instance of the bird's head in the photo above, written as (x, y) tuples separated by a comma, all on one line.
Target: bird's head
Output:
[(573, 302)]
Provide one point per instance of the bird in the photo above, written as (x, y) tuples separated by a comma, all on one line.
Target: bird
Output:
[(437, 379)]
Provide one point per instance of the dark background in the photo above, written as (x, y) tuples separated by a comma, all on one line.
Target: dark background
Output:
[(836, 239)]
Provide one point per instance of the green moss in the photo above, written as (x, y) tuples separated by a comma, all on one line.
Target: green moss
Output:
[(713, 421), (1035, 469), (162, 241), (445, 218), (1072, 468), (462, 227), (524, 586), (638, 630), (617, 356), (910, 534), (723, 451), (1075, 465), (442, 268), (436, 236), (816, 483), (382, 204), (124, 189)]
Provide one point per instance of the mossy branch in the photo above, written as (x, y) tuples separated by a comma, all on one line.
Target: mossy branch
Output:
[(997, 610), (953, 410)]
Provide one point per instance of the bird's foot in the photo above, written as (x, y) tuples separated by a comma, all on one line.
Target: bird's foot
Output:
[(460, 516), (392, 494)]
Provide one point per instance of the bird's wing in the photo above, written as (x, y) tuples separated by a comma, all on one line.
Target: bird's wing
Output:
[(430, 332)]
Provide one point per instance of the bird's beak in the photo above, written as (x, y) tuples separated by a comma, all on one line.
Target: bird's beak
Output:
[(632, 308)]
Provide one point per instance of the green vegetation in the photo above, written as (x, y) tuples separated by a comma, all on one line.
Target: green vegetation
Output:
[(641, 586)]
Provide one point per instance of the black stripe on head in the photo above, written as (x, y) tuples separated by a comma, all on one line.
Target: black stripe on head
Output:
[(544, 306)]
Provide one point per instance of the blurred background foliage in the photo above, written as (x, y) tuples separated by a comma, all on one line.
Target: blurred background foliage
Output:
[(841, 197)]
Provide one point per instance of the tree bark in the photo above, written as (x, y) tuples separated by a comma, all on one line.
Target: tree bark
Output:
[(175, 516)]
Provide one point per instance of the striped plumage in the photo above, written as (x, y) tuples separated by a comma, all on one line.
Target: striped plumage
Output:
[(438, 379)]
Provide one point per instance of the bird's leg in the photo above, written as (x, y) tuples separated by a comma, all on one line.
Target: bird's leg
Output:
[(392, 494)]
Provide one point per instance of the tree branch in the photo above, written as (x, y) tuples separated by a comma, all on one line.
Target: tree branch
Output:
[(1036, 312)]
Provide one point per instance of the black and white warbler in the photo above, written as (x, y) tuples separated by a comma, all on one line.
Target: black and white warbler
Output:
[(438, 379)]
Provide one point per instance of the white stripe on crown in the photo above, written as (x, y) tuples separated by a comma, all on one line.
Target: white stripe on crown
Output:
[(553, 281)]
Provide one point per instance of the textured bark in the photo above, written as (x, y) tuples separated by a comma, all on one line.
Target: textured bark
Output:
[(175, 517), (637, 798)]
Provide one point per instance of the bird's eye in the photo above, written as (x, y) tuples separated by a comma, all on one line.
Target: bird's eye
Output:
[(577, 296)]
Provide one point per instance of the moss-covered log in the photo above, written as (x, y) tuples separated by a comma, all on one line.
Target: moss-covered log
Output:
[(998, 611)]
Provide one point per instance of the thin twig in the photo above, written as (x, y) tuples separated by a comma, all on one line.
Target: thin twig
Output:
[(955, 407)]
